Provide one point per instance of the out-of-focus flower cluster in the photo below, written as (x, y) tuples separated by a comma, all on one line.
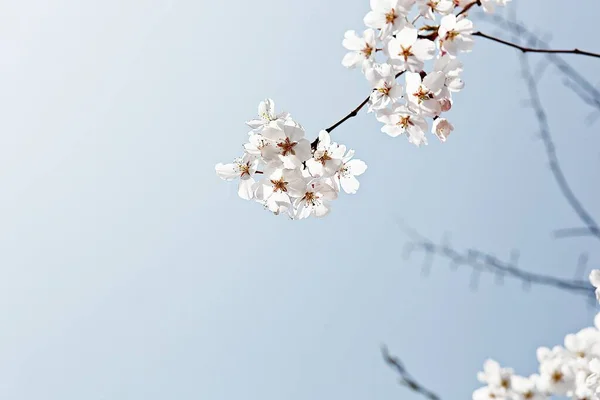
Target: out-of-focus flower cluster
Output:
[(282, 171), (571, 370)]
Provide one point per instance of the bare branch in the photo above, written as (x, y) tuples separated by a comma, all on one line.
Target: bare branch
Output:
[(468, 7), (555, 167), (578, 80), (533, 50), (481, 262), (572, 232), (405, 378), (351, 114)]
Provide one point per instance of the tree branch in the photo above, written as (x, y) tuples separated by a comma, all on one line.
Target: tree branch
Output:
[(468, 7), (572, 232), (482, 262), (351, 114), (405, 378), (532, 50), (575, 79), (555, 167)]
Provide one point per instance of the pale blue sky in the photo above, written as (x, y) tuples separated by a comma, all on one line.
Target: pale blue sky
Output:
[(128, 270)]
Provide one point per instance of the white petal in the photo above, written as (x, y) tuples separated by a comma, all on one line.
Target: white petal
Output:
[(227, 172), (324, 139), (595, 278), (424, 49), (351, 60), (350, 184), (434, 81), (294, 132), (321, 210), (407, 36), (374, 20), (352, 41), (357, 167), (246, 188)]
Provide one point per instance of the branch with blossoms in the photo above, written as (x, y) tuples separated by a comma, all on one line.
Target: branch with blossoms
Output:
[(300, 179), (571, 370)]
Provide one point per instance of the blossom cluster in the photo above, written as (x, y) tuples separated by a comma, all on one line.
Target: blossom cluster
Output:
[(571, 370), (284, 172), (406, 35), (289, 175)]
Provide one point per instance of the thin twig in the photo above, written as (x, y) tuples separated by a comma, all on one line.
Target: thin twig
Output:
[(351, 114), (532, 50), (405, 378), (577, 79), (468, 7)]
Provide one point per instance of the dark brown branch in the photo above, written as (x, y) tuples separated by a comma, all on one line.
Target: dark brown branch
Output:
[(532, 50), (351, 114), (575, 81), (405, 378), (468, 7)]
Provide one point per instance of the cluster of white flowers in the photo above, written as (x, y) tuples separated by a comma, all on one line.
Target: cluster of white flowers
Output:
[(281, 170), (299, 178), (571, 370), (407, 46)]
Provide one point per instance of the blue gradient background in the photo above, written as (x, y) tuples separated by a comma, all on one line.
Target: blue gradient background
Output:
[(128, 270)]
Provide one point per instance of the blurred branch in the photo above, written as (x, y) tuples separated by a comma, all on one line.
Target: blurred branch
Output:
[(405, 378), (481, 262), (555, 168), (534, 50), (581, 86), (572, 232)]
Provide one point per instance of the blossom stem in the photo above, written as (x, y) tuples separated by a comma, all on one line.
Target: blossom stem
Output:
[(468, 7), (532, 50), (352, 114)]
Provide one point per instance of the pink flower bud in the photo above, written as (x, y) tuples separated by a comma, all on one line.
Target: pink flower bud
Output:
[(442, 128), (446, 104)]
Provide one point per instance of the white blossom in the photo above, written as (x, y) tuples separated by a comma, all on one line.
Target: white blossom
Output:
[(362, 49)]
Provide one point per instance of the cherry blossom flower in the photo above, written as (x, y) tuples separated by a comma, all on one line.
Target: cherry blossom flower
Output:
[(279, 188), (315, 200), (243, 169), (327, 158), (362, 49), (347, 173), (266, 114), (428, 8), (422, 93), (442, 128), (407, 52), (403, 119), (386, 90), (455, 34), (290, 146), (388, 15)]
